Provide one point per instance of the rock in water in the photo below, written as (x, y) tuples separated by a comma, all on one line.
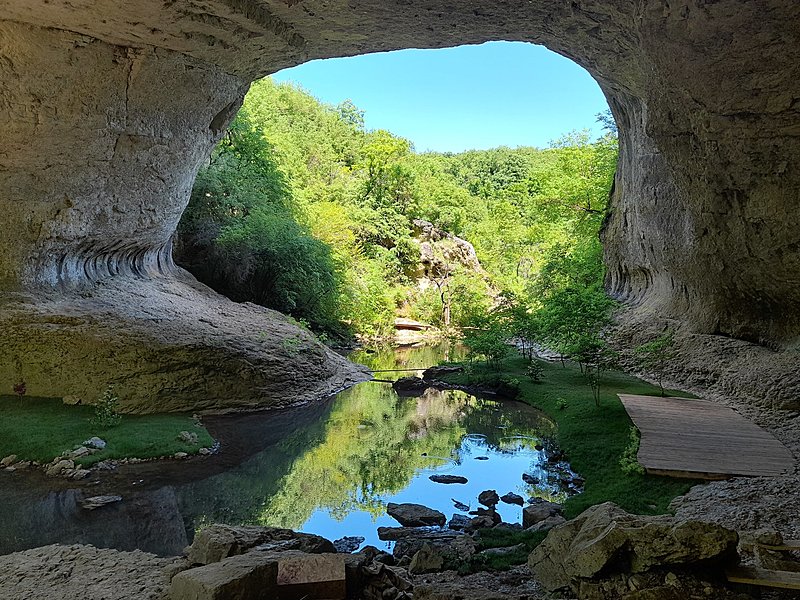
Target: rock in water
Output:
[(460, 505), (529, 479), (448, 479), (512, 498), (459, 522), (410, 386), (99, 501), (488, 498), (415, 515)]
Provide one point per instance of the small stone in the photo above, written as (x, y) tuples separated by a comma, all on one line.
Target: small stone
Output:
[(81, 474), (95, 442), (481, 458), (79, 451), (99, 501), (180, 455), (8, 460), (204, 451), (488, 498), (448, 479), (512, 498), (459, 505), (57, 467)]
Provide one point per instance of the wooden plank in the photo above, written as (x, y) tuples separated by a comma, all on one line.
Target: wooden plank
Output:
[(764, 577), (683, 437), (785, 546)]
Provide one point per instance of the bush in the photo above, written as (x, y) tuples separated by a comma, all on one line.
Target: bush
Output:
[(628, 462), (535, 372), (105, 411)]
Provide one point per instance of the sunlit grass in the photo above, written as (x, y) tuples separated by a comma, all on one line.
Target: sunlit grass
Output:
[(42, 428), (594, 437)]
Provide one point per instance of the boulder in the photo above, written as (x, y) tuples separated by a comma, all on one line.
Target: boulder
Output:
[(415, 515), (311, 577), (530, 479), (253, 575), (512, 498), (426, 560), (8, 460), (448, 479), (217, 542), (539, 511), (605, 537), (488, 498)]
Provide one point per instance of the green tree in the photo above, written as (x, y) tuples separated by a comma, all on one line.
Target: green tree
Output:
[(654, 356)]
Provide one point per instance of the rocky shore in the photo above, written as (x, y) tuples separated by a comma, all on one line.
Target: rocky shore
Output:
[(603, 554)]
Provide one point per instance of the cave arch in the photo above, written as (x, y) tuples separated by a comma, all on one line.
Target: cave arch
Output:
[(108, 108)]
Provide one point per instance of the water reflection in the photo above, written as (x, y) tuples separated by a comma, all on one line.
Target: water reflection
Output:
[(328, 469)]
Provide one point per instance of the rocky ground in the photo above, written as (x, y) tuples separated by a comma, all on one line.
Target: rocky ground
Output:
[(59, 572)]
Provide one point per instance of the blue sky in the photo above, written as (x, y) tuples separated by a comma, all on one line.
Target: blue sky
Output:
[(470, 97)]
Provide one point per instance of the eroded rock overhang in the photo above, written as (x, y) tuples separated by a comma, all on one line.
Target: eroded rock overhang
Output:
[(108, 109)]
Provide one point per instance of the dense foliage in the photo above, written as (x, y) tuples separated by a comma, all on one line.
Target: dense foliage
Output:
[(303, 210)]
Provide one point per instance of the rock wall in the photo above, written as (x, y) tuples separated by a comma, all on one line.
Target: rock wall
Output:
[(108, 108)]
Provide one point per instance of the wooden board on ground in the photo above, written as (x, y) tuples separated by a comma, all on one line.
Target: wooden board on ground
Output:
[(696, 438), (764, 577)]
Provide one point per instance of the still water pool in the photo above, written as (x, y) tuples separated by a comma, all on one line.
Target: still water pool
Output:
[(328, 469)]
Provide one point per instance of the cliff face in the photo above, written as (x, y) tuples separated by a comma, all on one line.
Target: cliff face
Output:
[(107, 109)]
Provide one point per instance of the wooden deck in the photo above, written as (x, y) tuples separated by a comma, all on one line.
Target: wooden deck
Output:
[(698, 438)]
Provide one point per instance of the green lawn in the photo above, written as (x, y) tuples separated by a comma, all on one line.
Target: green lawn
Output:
[(592, 437), (42, 428)]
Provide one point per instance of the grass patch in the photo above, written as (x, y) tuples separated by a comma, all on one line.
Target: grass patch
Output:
[(42, 428), (594, 438), (501, 538)]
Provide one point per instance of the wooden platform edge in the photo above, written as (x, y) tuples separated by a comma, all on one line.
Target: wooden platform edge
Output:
[(690, 474), (764, 577)]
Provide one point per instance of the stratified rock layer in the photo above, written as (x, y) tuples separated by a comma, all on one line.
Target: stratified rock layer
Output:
[(108, 110), (165, 345)]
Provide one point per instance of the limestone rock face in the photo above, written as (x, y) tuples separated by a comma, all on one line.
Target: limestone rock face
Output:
[(165, 345), (108, 110), (605, 538)]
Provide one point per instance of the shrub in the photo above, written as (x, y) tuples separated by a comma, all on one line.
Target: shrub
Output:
[(105, 411), (628, 461), (535, 371)]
